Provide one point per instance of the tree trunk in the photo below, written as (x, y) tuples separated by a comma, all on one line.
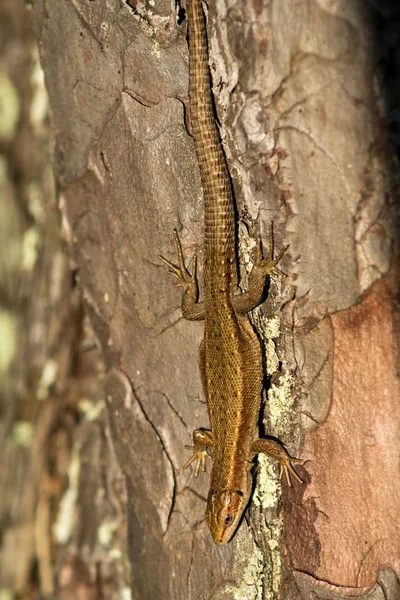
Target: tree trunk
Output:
[(300, 105)]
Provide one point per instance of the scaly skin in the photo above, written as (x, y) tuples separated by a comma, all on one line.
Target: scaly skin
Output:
[(230, 355)]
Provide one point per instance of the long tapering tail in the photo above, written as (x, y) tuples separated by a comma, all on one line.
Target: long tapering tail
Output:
[(218, 197)]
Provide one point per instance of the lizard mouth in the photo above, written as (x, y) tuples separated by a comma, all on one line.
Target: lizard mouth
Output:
[(223, 538)]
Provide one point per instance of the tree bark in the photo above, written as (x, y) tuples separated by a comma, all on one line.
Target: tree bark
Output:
[(299, 100), (62, 496)]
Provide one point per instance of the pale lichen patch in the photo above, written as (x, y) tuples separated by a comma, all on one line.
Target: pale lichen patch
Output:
[(126, 593), (266, 496), (66, 517), (267, 492), (39, 107), (36, 204), (22, 433), (247, 246), (249, 568), (252, 578), (272, 327), (106, 532), (272, 362), (273, 571), (257, 578), (48, 377), (269, 330), (280, 405), (91, 410), (9, 108), (115, 554), (8, 337), (30, 244)]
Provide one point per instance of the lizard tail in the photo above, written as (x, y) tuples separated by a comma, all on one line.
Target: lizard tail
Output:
[(218, 197)]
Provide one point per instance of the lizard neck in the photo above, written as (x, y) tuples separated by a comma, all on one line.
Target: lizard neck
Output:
[(219, 248)]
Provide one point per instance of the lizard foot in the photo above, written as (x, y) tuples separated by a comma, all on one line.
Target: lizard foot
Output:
[(202, 439), (276, 450), (268, 264), (183, 276), (285, 467), (199, 456)]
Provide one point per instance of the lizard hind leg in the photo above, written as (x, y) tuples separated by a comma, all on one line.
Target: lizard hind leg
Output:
[(269, 263), (183, 276), (276, 450), (263, 267), (192, 309)]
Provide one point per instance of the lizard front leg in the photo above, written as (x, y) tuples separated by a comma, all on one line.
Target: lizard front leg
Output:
[(276, 450), (192, 309), (202, 438), (245, 302)]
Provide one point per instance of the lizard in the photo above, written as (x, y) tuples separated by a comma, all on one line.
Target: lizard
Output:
[(230, 356)]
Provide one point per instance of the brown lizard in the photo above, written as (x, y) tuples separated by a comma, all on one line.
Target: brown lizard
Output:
[(230, 354)]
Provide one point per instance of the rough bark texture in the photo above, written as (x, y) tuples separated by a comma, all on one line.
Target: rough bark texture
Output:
[(302, 117), (62, 496)]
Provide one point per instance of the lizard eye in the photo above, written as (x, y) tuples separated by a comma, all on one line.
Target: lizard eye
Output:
[(239, 493), (228, 519)]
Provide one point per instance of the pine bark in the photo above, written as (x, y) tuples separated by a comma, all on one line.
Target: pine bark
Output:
[(302, 109)]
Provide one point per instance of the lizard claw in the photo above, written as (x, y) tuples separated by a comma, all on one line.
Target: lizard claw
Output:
[(269, 263), (286, 468), (199, 456), (180, 272)]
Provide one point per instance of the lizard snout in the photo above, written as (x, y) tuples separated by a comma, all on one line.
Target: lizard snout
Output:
[(223, 514)]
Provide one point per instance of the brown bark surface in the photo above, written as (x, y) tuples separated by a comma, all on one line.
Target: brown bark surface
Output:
[(300, 105), (62, 496)]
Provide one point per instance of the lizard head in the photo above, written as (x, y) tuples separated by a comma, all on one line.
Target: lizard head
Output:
[(224, 511)]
